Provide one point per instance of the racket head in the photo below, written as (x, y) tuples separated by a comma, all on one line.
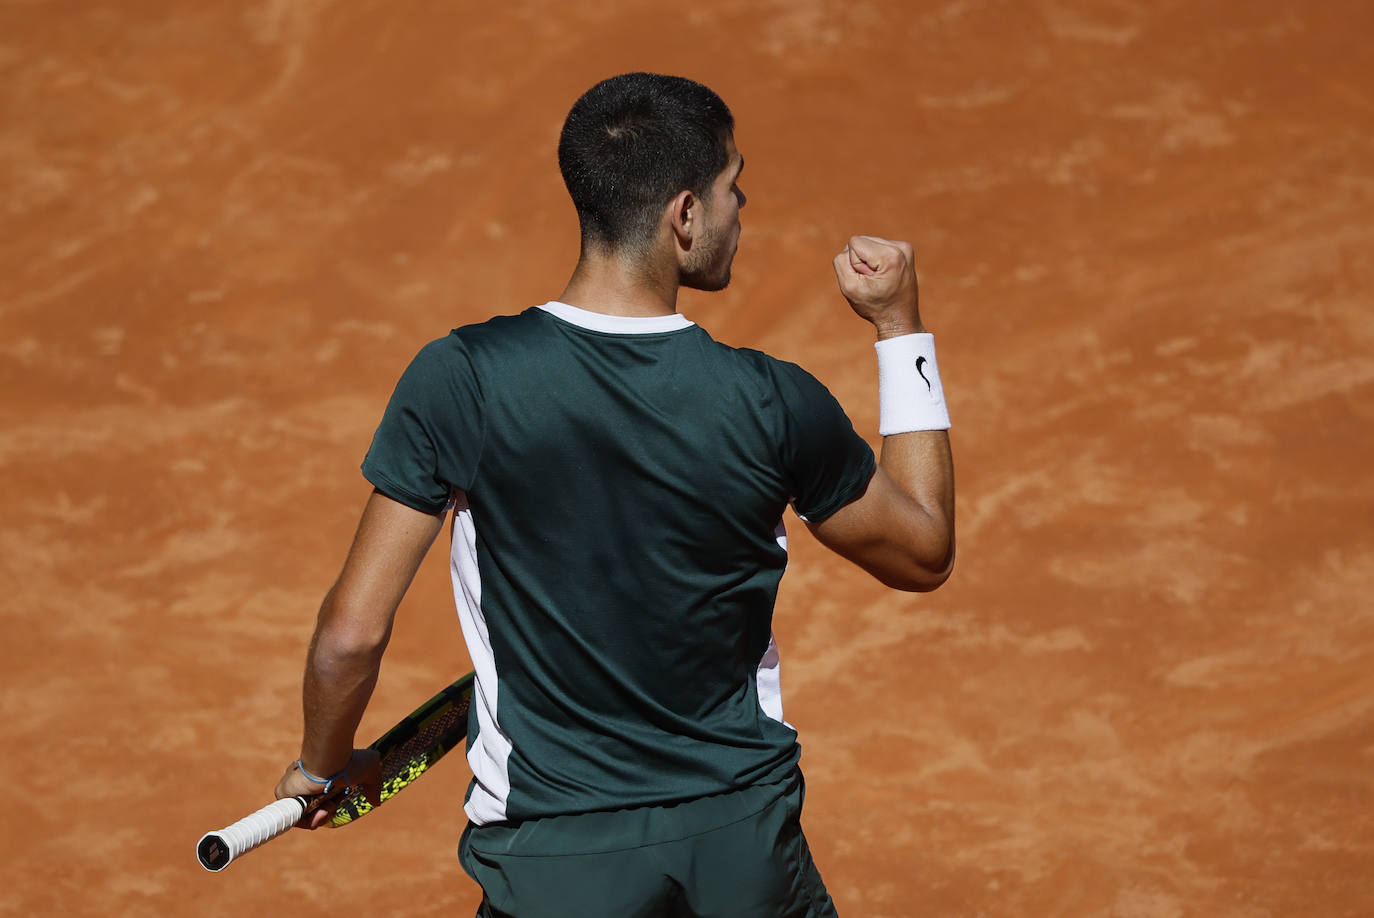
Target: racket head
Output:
[(413, 745)]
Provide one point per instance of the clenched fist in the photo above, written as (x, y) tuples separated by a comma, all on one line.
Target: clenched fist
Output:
[(878, 277)]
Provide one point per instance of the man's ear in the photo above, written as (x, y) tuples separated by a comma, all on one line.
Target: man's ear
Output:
[(684, 212)]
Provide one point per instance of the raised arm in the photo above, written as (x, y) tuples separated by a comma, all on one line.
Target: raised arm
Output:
[(351, 633), (901, 529)]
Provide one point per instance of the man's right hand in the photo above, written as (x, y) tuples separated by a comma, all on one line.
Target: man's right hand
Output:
[(364, 770), (901, 528), (878, 278)]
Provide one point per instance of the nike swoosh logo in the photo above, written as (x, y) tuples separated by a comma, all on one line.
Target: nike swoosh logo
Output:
[(920, 368)]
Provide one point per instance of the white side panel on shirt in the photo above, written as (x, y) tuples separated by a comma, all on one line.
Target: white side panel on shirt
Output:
[(769, 675), (490, 754)]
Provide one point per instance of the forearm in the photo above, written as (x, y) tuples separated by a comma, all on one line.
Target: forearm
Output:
[(340, 673), (901, 529), (921, 465), (914, 420), (351, 634)]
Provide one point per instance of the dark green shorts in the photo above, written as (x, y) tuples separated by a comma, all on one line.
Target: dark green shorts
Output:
[(736, 855)]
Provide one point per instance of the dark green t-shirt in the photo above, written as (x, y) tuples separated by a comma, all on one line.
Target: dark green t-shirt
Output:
[(618, 487)]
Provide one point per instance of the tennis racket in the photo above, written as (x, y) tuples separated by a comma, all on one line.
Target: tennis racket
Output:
[(407, 751)]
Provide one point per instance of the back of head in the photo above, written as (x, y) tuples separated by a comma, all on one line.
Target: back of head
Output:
[(630, 144)]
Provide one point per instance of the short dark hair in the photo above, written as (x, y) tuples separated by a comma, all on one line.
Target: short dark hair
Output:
[(631, 143)]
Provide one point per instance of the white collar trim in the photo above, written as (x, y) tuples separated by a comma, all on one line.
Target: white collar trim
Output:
[(617, 325)]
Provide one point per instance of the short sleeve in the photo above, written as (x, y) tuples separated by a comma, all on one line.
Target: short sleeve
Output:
[(827, 463), (430, 438)]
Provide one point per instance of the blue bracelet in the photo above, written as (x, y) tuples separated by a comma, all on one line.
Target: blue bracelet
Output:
[(327, 782)]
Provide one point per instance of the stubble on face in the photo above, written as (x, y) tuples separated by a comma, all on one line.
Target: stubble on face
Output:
[(713, 252), (708, 265)]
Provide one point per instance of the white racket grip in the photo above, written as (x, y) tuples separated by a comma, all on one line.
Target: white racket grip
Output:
[(217, 849)]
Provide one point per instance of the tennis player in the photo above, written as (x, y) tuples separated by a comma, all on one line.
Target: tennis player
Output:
[(615, 482)]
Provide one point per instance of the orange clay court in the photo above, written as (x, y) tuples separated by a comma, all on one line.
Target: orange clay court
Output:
[(1145, 235)]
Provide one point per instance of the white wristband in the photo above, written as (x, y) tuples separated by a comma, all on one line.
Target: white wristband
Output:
[(910, 396)]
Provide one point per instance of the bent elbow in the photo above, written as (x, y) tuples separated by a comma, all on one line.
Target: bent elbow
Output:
[(933, 582), (921, 575), (345, 656), (347, 638), (922, 582)]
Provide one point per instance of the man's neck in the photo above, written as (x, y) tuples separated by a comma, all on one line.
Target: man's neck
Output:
[(620, 285)]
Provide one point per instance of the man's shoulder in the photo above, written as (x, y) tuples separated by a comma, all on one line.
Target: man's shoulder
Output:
[(487, 338), (500, 328), (776, 370), (459, 351)]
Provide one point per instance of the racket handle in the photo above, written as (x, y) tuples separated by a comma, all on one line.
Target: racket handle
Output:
[(216, 849)]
